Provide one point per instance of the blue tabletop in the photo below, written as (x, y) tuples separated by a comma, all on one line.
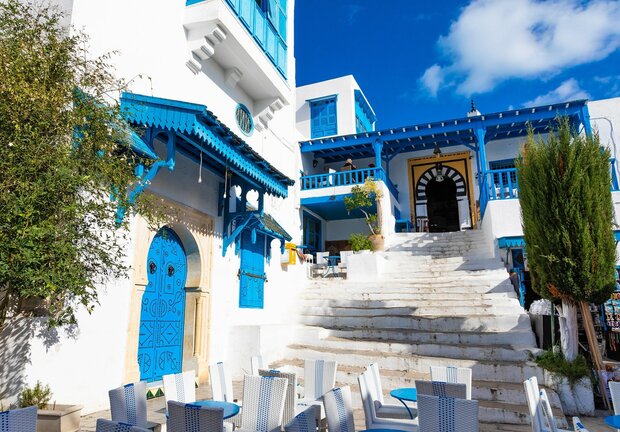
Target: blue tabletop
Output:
[(230, 409), (407, 393), (613, 421)]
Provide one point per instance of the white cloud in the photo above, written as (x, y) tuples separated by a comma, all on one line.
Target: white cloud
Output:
[(568, 90), (496, 40), (432, 79)]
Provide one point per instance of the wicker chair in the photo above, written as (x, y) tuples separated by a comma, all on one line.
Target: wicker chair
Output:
[(19, 420), (290, 401), (452, 375), (614, 389), (366, 383), (381, 408), (104, 425), (180, 387), (194, 418), (305, 421), (222, 390), (441, 389), (579, 427), (437, 414), (128, 405), (338, 410), (263, 403)]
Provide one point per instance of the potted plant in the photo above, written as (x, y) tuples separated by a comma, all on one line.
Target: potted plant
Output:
[(360, 243), (50, 417), (362, 198)]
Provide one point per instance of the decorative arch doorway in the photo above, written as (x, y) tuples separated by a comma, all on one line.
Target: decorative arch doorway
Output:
[(442, 191), (162, 313), (442, 205)]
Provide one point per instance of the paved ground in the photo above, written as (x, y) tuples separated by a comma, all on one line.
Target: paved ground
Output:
[(156, 414)]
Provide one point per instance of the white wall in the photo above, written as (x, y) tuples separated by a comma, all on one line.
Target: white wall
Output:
[(152, 52), (342, 229)]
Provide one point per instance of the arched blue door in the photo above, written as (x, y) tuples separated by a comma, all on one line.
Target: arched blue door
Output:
[(160, 346)]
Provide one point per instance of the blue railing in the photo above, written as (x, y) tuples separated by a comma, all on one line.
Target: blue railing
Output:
[(498, 184), (254, 19), (345, 178), (340, 178)]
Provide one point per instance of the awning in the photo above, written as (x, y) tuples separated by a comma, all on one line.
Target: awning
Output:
[(510, 242), (461, 131), (196, 125)]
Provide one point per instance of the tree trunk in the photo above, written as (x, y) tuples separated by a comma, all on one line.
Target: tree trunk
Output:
[(567, 314)]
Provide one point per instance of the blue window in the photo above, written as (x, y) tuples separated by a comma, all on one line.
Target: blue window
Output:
[(364, 115), (312, 232), (503, 164), (323, 117), (252, 272), (244, 119)]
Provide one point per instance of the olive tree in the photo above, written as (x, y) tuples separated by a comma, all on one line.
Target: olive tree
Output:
[(63, 154)]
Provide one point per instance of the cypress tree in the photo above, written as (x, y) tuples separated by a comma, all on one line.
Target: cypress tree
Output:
[(567, 215)]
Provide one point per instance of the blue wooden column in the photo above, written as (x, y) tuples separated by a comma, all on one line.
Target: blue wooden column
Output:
[(584, 118), (377, 146), (482, 153)]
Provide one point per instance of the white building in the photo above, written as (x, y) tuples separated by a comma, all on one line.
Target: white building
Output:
[(212, 86)]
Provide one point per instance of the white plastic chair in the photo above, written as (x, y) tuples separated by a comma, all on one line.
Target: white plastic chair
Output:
[(104, 425), (452, 375), (221, 382), (541, 416), (194, 418), (614, 389), (263, 403), (305, 421), (578, 426), (319, 377), (222, 390), (256, 363), (381, 408), (373, 421), (441, 389), (436, 414), (290, 401), (180, 387), (19, 420), (321, 258), (128, 405)]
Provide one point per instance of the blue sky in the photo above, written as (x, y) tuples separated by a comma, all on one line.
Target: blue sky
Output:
[(421, 60)]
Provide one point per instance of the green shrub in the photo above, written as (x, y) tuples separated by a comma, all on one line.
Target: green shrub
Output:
[(38, 396), (556, 363), (360, 242)]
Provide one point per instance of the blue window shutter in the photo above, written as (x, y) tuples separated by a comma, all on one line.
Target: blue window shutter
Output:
[(324, 118), (252, 271)]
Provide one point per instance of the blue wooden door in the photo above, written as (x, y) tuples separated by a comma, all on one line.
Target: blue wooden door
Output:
[(160, 346), (252, 273)]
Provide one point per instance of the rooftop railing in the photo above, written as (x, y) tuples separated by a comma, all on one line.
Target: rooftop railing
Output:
[(345, 178)]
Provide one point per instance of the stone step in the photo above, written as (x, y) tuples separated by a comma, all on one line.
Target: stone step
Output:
[(511, 371), (427, 309), (457, 351), (412, 303), (449, 285), (408, 298), (482, 323), (523, 337)]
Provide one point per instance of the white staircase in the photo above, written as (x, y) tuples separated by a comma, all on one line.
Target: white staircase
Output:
[(441, 300)]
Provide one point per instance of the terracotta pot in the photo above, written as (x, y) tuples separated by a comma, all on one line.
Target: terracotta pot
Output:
[(59, 418), (377, 242)]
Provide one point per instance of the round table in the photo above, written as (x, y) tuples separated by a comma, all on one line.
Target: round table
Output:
[(405, 394), (613, 421), (230, 409), (331, 264)]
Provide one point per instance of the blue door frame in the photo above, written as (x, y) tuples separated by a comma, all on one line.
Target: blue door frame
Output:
[(162, 316), (252, 272)]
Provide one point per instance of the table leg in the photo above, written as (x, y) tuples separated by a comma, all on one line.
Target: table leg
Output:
[(408, 410)]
